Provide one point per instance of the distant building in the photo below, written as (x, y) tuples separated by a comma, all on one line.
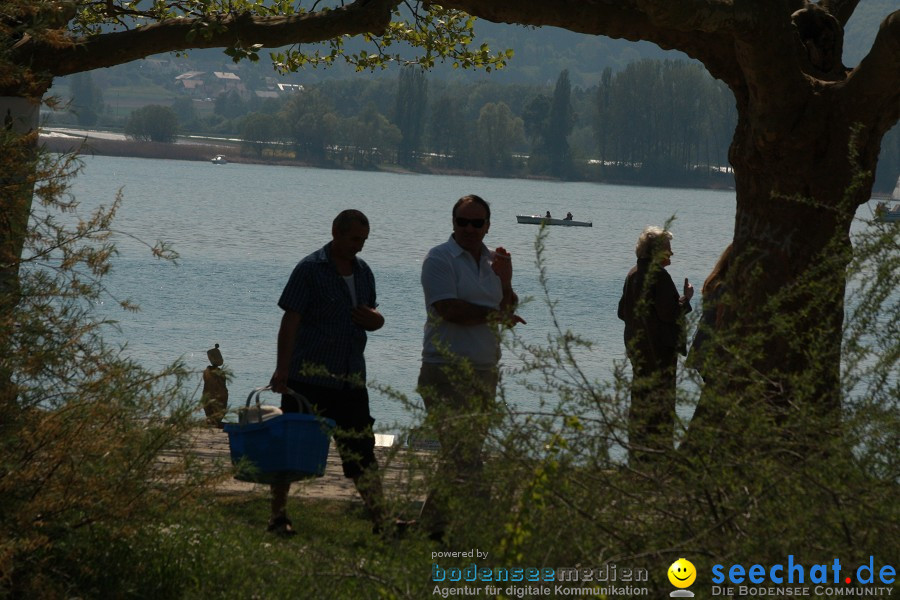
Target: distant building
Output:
[(189, 75), (193, 83), (227, 82), (289, 87)]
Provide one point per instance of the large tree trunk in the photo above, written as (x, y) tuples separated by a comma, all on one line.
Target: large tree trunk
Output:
[(20, 128), (18, 148), (799, 182)]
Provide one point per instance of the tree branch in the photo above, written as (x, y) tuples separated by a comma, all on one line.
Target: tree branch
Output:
[(722, 34), (841, 10), (772, 70), (702, 29), (238, 30), (624, 19), (874, 85)]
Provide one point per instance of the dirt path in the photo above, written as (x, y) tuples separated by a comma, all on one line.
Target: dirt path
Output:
[(212, 445)]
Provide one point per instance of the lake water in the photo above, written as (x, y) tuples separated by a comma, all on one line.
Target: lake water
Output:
[(240, 229)]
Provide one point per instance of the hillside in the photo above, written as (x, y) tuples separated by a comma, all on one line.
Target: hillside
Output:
[(540, 53)]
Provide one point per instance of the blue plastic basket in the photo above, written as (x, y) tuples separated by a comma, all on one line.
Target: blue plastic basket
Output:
[(285, 448)]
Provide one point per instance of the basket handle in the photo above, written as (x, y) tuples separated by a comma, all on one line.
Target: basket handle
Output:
[(305, 406)]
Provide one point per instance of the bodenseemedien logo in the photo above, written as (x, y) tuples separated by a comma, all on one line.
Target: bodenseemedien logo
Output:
[(682, 574)]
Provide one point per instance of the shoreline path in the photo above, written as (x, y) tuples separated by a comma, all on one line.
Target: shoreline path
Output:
[(211, 445)]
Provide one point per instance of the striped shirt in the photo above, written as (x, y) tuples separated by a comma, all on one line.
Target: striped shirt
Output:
[(327, 337)]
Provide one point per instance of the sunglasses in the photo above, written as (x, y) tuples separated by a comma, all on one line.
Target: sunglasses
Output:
[(476, 223)]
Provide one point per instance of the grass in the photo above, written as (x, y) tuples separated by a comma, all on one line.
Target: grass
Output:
[(220, 549)]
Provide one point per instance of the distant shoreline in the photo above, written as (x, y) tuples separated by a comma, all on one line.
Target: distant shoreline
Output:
[(112, 144)]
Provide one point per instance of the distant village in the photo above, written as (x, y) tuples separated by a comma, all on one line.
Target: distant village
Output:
[(207, 85), (200, 84)]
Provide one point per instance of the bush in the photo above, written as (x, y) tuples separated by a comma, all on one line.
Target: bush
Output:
[(83, 426), (259, 131), (152, 123)]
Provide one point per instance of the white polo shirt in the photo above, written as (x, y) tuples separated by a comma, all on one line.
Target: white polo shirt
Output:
[(449, 272)]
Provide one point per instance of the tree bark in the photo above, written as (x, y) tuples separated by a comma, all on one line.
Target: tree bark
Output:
[(20, 128), (52, 58), (18, 140)]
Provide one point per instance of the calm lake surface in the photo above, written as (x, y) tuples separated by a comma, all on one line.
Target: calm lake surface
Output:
[(240, 229)]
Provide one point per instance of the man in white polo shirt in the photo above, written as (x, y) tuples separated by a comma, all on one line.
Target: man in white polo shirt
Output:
[(468, 297)]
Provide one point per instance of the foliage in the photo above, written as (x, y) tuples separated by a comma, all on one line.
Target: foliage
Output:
[(535, 116), (311, 122), (83, 425), (433, 34), (230, 105), (87, 99), (370, 138), (449, 133), (559, 126), (498, 131), (409, 114), (152, 123), (664, 112), (258, 130), (548, 124), (450, 119), (185, 112), (549, 117)]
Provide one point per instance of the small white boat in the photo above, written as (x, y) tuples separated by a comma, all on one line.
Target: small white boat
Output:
[(219, 160), (889, 215), (540, 220)]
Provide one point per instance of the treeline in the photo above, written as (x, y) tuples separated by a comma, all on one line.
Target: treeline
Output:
[(659, 122), (665, 122)]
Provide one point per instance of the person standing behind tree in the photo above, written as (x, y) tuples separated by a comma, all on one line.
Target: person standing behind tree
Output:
[(468, 295), (329, 305), (653, 313), (708, 417), (711, 318)]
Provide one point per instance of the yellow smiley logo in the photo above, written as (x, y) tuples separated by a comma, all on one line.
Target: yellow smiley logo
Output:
[(682, 573)]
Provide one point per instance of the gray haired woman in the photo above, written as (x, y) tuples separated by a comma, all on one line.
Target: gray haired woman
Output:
[(654, 336)]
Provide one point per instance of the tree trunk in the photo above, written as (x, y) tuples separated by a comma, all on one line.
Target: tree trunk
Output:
[(20, 135), (796, 198), (18, 140)]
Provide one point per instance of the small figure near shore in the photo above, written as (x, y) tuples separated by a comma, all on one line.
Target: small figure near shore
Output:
[(215, 392), (568, 216), (547, 216)]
